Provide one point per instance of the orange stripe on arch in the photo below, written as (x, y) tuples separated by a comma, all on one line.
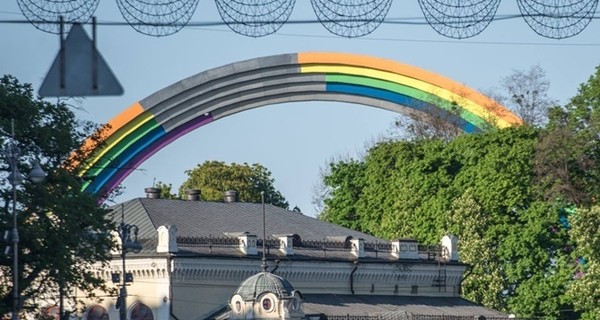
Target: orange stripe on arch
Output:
[(116, 123), (410, 71)]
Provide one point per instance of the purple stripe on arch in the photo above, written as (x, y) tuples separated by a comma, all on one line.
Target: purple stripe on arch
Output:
[(156, 146)]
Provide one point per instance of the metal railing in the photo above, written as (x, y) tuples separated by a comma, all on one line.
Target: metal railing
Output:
[(429, 252)]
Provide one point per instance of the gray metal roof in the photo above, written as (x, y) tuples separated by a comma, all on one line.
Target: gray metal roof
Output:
[(385, 306), (211, 229), (216, 219), (336, 306)]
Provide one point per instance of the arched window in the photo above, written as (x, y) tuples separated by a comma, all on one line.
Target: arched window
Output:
[(140, 311), (97, 313)]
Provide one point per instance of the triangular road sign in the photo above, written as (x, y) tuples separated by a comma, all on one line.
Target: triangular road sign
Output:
[(79, 70)]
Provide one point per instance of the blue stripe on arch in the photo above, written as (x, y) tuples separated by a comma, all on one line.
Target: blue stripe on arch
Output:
[(401, 99), (121, 162)]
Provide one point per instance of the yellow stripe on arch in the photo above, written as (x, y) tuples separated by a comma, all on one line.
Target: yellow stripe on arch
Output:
[(414, 83), (120, 127), (501, 115)]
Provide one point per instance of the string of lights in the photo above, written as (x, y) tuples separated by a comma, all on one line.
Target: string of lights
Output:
[(456, 19)]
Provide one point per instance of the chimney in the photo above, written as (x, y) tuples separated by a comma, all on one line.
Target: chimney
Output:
[(152, 193), (230, 196), (192, 195)]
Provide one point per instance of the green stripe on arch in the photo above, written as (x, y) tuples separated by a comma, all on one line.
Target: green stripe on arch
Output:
[(426, 97), (117, 149)]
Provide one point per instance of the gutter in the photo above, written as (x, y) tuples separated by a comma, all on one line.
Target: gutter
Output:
[(276, 266), (170, 272), (352, 276)]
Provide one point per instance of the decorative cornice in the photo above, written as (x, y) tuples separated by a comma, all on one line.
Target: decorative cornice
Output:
[(140, 268)]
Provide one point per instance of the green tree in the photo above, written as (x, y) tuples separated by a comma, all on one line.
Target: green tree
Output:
[(585, 289), (212, 178), (485, 280), (479, 187), (580, 119), (502, 192), (62, 230), (165, 190), (569, 163), (346, 183)]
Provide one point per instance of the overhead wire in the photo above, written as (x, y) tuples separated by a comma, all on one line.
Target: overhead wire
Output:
[(205, 26)]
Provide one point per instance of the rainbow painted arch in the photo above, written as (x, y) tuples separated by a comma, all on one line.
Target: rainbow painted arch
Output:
[(152, 123)]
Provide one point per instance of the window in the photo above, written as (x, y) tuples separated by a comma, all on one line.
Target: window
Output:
[(296, 241), (97, 313), (237, 304), (141, 311), (267, 304)]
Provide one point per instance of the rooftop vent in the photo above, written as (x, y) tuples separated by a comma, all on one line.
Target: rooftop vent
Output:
[(152, 193), (230, 196), (192, 195)]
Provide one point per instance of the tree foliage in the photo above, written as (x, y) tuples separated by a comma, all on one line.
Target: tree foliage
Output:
[(165, 190), (585, 290), (212, 178), (485, 280), (503, 193), (479, 187), (62, 230)]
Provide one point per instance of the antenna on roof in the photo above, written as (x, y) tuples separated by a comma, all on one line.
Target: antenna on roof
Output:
[(264, 265)]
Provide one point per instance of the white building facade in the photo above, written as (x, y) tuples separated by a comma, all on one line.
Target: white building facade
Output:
[(196, 254)]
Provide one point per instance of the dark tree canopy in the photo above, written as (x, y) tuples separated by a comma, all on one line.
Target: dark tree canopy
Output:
[(62, 230)]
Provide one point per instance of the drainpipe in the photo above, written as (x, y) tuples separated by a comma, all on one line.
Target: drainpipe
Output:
[(170, 273), (276, 266), (352, 276)]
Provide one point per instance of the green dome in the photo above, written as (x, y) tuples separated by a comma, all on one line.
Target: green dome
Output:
[(264, 282)]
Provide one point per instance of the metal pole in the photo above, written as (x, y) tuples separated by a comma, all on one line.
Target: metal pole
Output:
[(15, 232), (123, 293), (15, 240)]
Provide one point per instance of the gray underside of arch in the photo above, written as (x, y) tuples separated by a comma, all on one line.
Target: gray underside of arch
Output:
[(245, 85)]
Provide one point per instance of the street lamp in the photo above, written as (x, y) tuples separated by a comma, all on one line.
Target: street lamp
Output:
[(12, 153), (127, 245)]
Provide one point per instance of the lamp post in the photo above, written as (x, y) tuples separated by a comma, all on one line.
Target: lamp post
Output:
[(12, 153), (127, 245)]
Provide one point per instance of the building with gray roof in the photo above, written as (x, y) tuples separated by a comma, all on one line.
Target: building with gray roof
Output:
[(197, 255)]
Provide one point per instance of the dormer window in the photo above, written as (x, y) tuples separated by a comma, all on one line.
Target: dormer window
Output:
[(267, 304), (296, 241), (237, 304)]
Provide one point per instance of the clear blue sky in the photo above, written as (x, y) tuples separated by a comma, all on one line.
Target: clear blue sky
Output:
[(292, 140)]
